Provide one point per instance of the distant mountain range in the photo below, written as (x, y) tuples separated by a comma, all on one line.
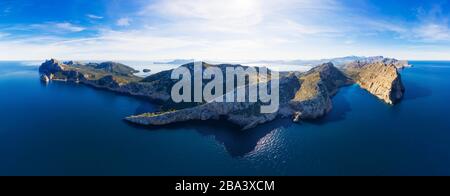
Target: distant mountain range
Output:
[(338, 62), (176, 62)]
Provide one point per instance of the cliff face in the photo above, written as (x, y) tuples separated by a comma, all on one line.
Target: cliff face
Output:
[(380, 79), (303, 95), (313, 99)]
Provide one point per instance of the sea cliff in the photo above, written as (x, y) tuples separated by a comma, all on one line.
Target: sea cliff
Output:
[(380, 79)]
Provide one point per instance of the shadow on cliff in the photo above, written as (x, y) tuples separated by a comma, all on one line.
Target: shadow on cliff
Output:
[(237, 142), (415, 91)]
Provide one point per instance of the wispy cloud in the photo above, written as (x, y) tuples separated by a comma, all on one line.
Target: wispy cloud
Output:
[(238, 15), (68, 27), (433, 32), (46, 27), (114, 45), (123, 22), (433, 25), (239, 29), (232, 12), (92, 16)]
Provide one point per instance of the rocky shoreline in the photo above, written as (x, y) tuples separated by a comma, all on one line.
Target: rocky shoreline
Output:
[(304, 95)]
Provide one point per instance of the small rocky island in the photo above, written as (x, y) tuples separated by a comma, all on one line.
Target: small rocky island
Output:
[(305, 95)]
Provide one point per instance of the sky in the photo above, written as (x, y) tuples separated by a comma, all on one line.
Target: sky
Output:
[(223, 30)]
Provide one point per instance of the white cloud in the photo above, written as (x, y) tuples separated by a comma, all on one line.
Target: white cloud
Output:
[(433, 32), (433, 26), (236, 30), (231, 12), (69, 27), (92, 16), (123, 22), (48, 27), (109, 45), (239, 15), (382, 26)]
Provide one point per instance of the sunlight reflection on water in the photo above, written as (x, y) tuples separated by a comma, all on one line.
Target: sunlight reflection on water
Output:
[(271, 151)]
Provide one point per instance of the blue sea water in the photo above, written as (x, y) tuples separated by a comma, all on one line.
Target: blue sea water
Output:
[(71, 129)]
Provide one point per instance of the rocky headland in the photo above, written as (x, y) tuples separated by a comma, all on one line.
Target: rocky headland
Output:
[(305, 95)]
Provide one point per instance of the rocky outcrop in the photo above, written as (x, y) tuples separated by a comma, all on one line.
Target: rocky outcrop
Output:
[(304, 96), (51, 66), (44, 78), (380, 79)]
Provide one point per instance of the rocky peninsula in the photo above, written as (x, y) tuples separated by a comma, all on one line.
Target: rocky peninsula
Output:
[(305, 95)]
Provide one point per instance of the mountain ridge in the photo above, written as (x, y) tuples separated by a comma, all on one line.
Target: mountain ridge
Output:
[(306, 95)]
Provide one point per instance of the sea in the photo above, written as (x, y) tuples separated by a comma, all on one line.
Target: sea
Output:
[(71, 129)]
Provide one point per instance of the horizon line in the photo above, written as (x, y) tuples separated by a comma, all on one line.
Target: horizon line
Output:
[(216, 60)]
